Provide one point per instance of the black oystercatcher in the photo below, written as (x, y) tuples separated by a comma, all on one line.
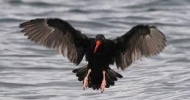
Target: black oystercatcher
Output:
[(141, 40)]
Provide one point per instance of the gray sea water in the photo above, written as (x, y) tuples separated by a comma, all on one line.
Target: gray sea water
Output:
[(33, 72)]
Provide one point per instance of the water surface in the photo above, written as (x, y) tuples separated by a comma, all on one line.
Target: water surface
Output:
[(33, 72)]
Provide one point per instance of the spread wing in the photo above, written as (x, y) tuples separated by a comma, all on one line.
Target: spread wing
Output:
[(59, 35), (140, 41)]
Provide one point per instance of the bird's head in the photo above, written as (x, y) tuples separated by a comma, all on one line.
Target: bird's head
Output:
[(98, 39)]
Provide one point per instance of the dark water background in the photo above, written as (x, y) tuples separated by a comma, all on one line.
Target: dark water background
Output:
[(32, 72)]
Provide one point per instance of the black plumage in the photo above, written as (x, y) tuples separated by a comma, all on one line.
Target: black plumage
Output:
[(141, 40)]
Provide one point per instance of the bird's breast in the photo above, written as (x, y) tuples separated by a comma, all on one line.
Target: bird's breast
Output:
[(100, 59)]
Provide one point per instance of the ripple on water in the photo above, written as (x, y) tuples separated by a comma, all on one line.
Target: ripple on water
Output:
[(30, 71)]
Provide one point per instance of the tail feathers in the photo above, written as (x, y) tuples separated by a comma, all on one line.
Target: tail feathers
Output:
[(94, 86), (81, 72), (111, 76)]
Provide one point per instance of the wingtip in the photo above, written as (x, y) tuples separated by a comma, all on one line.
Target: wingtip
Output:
[(33, 21), (21, 25), (75, 71), (146, 25), (119, 75)]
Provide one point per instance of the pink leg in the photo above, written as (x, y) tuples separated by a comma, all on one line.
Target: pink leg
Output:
[(103, 85), (85, 82)]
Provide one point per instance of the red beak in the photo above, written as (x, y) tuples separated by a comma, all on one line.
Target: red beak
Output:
[(97, 45)]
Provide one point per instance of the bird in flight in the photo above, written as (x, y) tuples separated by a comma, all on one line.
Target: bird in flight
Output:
[(100, 52)]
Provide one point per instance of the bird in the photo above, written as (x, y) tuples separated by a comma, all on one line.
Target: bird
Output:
[(99, 52)]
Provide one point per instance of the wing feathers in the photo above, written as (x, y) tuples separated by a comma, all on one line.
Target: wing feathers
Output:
[(56, 34), (140, 41)]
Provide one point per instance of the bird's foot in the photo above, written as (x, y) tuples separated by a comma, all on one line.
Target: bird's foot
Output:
[(85, 83), (103, 85)]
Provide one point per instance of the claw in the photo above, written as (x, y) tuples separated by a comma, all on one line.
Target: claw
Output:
[(103, 84), (85, 82)]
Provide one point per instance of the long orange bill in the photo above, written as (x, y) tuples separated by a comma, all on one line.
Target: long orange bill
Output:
[(97, 45)]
